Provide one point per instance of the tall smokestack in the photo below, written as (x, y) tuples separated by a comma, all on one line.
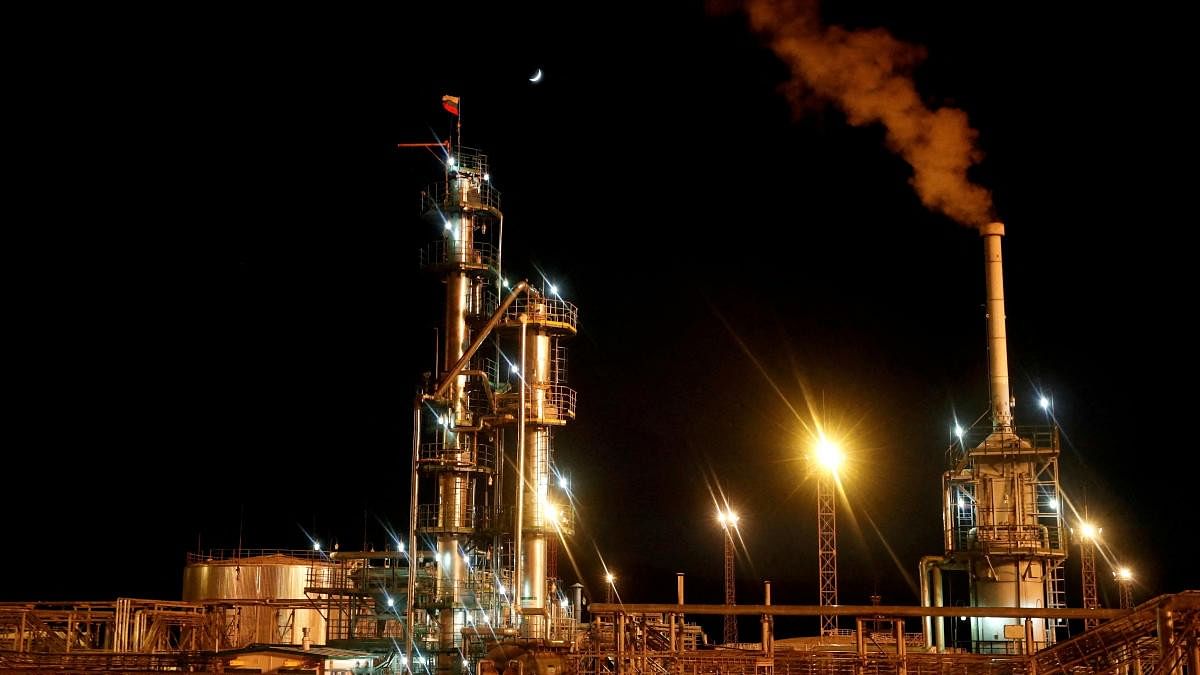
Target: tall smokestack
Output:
[(997, 337)]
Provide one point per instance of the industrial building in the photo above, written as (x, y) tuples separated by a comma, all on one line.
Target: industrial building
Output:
[(473, 586)]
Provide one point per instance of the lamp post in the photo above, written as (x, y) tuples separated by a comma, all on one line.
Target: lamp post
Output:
[(1087, 557), (1125, 586), (829, 458), (728, 520)]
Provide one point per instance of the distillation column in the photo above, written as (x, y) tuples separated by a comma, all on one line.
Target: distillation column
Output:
[(548, 403), (466, 208)]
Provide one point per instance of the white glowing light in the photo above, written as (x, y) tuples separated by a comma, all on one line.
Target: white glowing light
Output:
[(829, 454), (514, 369), (505, 283), (1053, 504), (961, 503), (610, 577), (450, 161), (727, 518), (563, 603), (553, 289), (446, 559), (1044, 402), (1125, 574), (503, 590), (400, 546), (564, 483), (448, 226), (958, 431), (1089, 530), (391, 602), (487, 176), (316, 546), (537, 77)]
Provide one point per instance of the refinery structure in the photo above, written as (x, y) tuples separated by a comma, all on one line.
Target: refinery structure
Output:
[(473, 585)]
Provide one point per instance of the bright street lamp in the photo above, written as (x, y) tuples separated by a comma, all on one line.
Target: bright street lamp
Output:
[(1124, 577), (829, 456), (729, 520), (1089, 533)]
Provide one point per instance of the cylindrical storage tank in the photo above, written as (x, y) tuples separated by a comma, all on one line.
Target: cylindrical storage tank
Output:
[(263, 577)]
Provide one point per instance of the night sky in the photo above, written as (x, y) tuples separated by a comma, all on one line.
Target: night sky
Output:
[(217, 322)]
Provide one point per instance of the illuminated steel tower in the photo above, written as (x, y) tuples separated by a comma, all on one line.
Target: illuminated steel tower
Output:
[(827, 549), (1124, 578), (828, 458), (1088, 533), (1002, 523), (729, 520), (488, 564), (453, 459), (542, 403)]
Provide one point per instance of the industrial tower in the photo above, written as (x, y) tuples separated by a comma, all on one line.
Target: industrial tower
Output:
[(1002, 521), (478, 543)]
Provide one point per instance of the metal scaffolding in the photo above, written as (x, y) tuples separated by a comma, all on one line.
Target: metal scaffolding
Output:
[(827, 548)]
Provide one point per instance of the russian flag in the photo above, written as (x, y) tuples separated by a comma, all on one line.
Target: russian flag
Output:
[(450, 103)]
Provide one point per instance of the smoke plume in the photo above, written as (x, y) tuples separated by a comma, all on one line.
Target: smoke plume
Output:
[(867, 74)]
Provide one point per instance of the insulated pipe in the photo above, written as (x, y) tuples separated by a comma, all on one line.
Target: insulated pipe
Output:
[(602, 608), (413, 554), (577, 598), (939, 629), (997, 337), (768, 638), (928, 563), (517, 550), (482, 335)]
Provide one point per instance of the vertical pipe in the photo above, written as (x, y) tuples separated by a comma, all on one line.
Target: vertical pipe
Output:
[(1029, 646), (671, 632), (413, 554), (901, 648), (860, 640), (939, 626), (926, 621), (768, 638), (1194, 654), (679, 616), (520, 524), (577, 599), (997, 336), (620, 628), (1166, 637)]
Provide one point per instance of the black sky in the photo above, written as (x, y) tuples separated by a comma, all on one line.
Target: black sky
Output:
[(217, 316)]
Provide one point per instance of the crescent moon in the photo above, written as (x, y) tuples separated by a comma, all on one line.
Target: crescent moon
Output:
[(537, 77)]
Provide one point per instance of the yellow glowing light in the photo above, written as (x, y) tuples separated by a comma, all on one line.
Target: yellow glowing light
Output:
[(1125, 574), (727, 518), (610, 577), (1089, 530), (829, 455)]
